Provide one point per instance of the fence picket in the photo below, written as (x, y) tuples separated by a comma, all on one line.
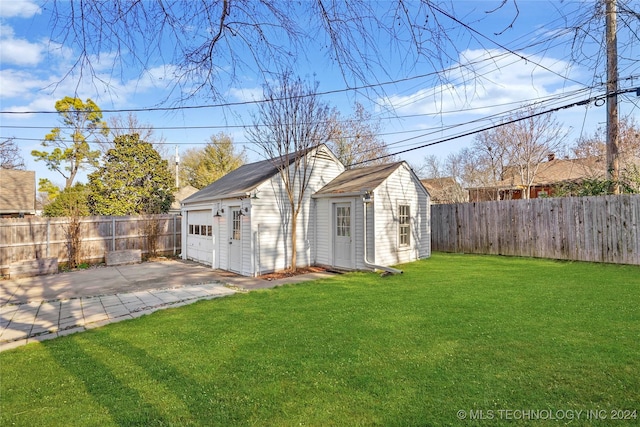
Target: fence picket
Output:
[(23, 239), (597, 228)]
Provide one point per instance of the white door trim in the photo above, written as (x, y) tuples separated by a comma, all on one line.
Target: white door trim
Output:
[(342, 233), (234, 258)]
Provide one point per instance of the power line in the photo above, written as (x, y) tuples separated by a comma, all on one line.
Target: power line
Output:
[(322, 93), (573, 104), (392, 117), (553, 99), (241, 103), (473, 30)]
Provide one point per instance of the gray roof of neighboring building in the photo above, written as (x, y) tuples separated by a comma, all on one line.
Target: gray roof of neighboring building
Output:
[(180, 195), (17, 191), (359, 179)]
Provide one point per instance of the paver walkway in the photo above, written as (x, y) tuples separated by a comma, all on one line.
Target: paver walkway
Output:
[(37, 321), (46, 307)]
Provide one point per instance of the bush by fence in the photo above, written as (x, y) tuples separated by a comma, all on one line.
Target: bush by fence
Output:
[(599, 229), (31, 238)]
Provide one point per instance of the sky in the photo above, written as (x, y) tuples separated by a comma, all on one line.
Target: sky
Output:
[(495, 63)]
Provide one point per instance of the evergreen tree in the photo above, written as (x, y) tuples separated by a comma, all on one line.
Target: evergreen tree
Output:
[(70, 202), (132, 180)]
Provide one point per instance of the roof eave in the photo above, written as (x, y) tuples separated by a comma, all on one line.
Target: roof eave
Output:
[(349, 194), (240, 195)]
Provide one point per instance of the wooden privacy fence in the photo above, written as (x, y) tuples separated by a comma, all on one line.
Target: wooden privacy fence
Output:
[(598, 229), (23, 239)]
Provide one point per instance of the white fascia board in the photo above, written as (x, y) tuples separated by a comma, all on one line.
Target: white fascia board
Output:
[(198, 206), (340, 195)]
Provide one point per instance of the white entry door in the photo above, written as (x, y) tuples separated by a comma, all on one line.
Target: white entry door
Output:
[(235, 239), (342, 233)]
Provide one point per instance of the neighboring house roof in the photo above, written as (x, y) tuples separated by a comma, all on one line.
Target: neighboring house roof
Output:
[(442, 189), (245, 179), (182, 194), (554, 172), (17, 191)]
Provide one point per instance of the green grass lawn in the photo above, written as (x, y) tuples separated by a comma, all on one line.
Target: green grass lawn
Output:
[(453, 333)]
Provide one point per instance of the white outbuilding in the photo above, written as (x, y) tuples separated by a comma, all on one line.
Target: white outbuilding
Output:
[(242, 222)]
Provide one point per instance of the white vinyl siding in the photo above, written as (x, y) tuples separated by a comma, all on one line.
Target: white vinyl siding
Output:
[(358, 232), (321, 235), (271, 216), (401, 189)]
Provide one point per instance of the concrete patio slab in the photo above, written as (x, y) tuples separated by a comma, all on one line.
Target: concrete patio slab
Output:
[(44, 307)]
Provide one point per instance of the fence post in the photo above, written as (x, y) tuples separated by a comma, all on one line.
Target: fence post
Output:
[(48, 236), (175, 242), (113, 233)]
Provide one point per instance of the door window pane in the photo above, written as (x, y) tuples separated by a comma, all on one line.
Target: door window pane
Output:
[(343, 221), (236, 222)]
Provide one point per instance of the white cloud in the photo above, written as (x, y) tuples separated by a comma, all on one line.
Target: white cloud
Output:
[(246, 94), (484, 81), (18, 51), (19, 83), (18, 8)]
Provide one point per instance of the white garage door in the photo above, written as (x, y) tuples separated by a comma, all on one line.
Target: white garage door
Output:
[(200, 236)]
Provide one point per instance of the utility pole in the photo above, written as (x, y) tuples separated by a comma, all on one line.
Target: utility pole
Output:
[(177, 168), (613, 162)]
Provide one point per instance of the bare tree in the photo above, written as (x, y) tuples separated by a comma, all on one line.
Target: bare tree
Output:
[(129, 124), (512, 152), (594, 145), (431, 167), (485, 168), (10, 157), (207, 42), (445, 177), (355, 140), (288, 127)]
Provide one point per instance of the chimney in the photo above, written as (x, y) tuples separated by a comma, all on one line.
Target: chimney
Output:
[(551, 157)]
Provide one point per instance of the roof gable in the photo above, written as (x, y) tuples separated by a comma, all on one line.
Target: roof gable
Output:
[(360, 180), (248, 177)]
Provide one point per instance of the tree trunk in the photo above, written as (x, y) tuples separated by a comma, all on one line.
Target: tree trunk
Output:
[(294, 230)]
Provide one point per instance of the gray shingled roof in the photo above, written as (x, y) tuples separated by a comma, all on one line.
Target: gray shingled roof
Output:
[(359, 179), (240, 181)]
